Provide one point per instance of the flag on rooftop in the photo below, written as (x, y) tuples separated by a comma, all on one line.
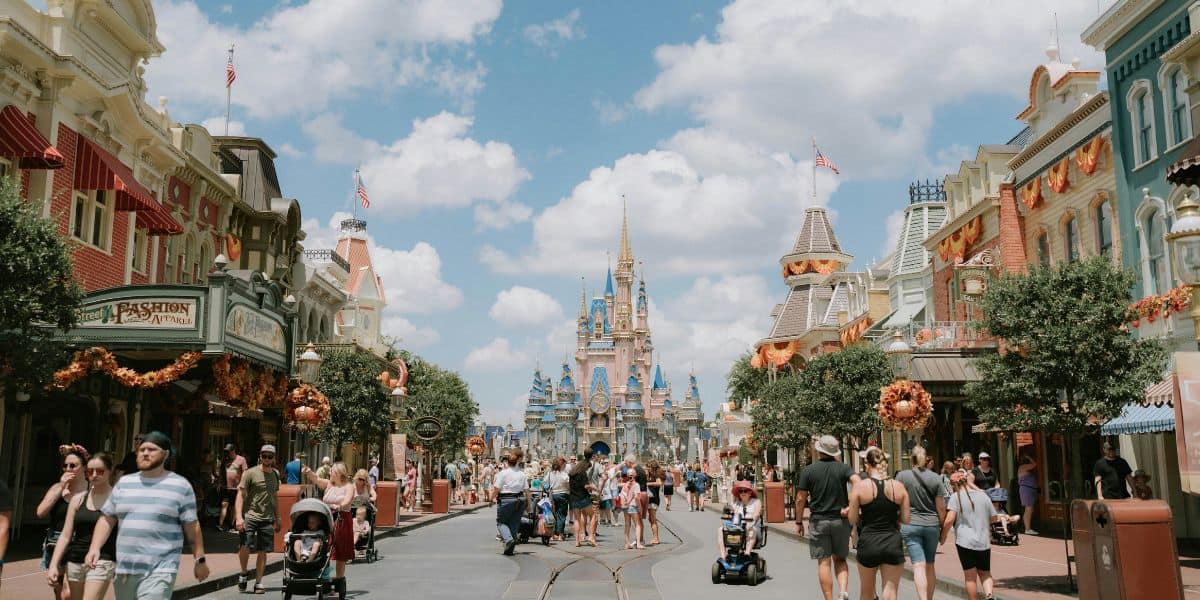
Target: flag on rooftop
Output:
[(825, 162), (362, 191)]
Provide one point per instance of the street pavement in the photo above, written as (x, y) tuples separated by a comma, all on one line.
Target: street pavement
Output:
[(460, 558)]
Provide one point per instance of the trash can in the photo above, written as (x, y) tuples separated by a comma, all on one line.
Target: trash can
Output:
[(773, 496), (286, 497), (386, 499), (1085, 557), (1135, 555), (441, 496)]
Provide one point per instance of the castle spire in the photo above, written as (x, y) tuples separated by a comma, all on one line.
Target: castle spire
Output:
[(582, 298), (626, 255)]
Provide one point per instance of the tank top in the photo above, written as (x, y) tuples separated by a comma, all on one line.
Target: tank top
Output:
[(85, 523), (879, 516)]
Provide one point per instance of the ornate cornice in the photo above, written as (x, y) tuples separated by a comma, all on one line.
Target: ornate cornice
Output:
[(1076, 117), (1116, 21)]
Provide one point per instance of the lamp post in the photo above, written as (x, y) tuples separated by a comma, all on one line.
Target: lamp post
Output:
[(308, 365), (1184, 239), (900, 356)]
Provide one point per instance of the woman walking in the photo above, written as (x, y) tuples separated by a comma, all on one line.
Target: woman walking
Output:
[(556, 482), (1027, 483), (699, 486), (629, 506), (339, 493), (879, 507), (970, 513), (56, 503), (654, 485), (668, 486), (927, 509), (82, 515), (580, 500), (612, 489), (510, 493), (689, 485), (985, 475), (410, 485)]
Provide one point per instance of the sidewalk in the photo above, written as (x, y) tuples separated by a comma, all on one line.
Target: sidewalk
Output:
[(24, 578), (1034, 570)]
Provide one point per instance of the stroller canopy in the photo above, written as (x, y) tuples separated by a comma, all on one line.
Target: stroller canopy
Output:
[(311, 505)]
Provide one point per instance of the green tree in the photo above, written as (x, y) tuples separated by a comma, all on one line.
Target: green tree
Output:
[(744, 382), (437, 392), (838, 391), (1071, 359), (776, 415), (37, 289), (360, 409)]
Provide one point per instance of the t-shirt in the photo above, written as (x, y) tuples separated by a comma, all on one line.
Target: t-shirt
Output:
[(6, 498), (984, 481), (1112, 474), (700, 481), (974, 512), (292, 470), (261, 487), (577, 486), (233, 472), (555, 482), (511, 481), (825, 481), (595, 474), (373, 475), (151, 513), (452, 472), (924, 488)]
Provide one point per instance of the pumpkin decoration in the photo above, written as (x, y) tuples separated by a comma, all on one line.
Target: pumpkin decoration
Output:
[(904, 405), (306, 409)]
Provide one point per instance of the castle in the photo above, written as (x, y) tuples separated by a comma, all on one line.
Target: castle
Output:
[(610, 402)]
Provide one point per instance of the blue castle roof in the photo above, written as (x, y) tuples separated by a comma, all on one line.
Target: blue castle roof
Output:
[(659, 382), (567, 384), (598, 305), (641, 301), (633, 389), (600, 381), (667, 402), (548, 416), (694, 387), (608, 286)]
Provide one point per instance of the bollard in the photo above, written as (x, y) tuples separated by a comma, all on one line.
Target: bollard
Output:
[(441, 496), (386, 498)]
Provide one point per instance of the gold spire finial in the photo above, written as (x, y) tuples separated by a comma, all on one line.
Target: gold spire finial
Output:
[(582, 298), (626, 256)]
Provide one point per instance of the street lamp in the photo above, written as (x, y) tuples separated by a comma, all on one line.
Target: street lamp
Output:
[(309, 365), (1184, 239), (900, 356)]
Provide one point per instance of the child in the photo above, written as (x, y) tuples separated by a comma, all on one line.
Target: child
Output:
[(306, 548), (1141, 485), (631, 507), (362, 528)]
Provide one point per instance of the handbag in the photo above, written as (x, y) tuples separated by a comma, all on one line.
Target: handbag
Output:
[(542, 529)]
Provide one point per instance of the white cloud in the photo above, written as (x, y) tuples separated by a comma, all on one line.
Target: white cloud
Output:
[(552, 34), (864, 78), (437, 165), (497, 355), (701, 202), (412, 280), (299, 59), (289, 150), (501, 215), (894, 227), (611, 112), (521, 306), (216, 126)]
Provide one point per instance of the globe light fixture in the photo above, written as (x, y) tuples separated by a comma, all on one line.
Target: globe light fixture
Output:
[(900, 356), (309, 365), (1184, 239)]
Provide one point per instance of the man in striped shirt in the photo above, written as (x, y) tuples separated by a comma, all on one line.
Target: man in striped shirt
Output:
[(155, 509)]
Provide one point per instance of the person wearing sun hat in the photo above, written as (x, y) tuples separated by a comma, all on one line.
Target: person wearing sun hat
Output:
[(823, 488), (745, 509)]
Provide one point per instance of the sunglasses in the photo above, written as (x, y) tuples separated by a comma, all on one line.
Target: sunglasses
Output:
[(71, 465), (266, 455), (96, 471)]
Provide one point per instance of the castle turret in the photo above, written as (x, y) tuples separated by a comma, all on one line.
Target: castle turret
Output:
[(690, 417), (634, 414), (538, 400), (566, 412)]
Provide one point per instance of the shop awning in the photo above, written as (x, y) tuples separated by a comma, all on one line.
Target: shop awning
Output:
[(1186, 170), (96, 169), (1140, 418), (21, 140)]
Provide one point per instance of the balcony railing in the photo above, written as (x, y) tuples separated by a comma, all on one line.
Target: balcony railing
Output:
[(327, 255), (938, 335)]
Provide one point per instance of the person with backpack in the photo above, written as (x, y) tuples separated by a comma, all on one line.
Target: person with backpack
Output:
[(970, 513)]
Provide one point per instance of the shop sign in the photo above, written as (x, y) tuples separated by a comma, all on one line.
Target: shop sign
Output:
[(1187, 420), (141, 313), (428, 429), (256, 328)]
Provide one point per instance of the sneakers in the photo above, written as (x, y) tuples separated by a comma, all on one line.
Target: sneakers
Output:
[(243, 578), (1031, 532), (509, 546)]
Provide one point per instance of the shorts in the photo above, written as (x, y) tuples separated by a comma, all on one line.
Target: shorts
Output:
[(829, 537), (151, 586), (875, 549), (669, 490), (921, 541), (105, 570), (259, 536), (581, 503), (606, 504), (980, 560), (632, 509), (229, 495), (653, 504)]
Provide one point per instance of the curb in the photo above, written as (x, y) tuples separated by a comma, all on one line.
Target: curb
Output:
[(197, 590), (945, 584)]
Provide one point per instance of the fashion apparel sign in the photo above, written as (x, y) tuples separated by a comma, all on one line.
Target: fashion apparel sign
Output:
[(143, 313)]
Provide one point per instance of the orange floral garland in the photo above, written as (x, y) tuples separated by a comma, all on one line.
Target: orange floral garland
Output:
[(904, 404), (239, 384), (100, 359), (306, 409), (476, 445), (1155, 306)]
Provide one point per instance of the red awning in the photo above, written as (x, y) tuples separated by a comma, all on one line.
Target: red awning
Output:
[(96, 169), (21, 140)]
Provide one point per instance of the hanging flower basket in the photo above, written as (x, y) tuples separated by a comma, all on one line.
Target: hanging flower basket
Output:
[(306, 409), (905, 405), (100, 359), (1155, 306)]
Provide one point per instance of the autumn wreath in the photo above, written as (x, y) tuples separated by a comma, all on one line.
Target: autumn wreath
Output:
[(100, 359), (241, 384), (905, 405), (476, 446), (306, 409)]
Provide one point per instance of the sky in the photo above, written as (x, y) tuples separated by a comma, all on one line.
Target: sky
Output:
[(497, 139)]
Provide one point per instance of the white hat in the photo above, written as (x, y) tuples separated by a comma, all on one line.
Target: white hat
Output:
[(267, 449), (829, 445), (984, 455)]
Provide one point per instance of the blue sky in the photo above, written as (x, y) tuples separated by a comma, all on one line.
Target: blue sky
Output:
[(496, 140)]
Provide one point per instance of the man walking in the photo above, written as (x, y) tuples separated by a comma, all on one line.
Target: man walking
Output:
[(257, 516), (1112, 474), (293, 468), (155, 509), (823, 488), (235, 465), (510, 492), (452, 477), (373, 472)]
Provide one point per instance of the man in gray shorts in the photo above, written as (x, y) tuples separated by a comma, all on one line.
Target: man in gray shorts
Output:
[(823, 488), (256, 516)]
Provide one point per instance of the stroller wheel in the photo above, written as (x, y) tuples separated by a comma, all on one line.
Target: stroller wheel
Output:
[(545, 540), (716, 572)]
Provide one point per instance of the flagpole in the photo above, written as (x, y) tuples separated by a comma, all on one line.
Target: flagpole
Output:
[(814, 171), (354, 196), (228, 92)]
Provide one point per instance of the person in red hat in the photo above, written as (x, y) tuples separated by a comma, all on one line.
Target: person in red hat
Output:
[(746, 510)]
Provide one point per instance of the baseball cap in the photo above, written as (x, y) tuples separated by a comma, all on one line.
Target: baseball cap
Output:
[(228, 447), (983, 455), (267, 449)]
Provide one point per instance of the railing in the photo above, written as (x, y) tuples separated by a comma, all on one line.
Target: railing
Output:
[(327, 255), (938, 334)]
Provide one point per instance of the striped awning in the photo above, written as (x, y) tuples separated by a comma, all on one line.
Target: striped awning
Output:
[(19, 139), (96, 169), (1140, 418)]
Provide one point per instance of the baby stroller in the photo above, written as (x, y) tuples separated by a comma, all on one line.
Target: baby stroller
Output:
[(309, 577), (753, 568), (535, 519), (364, 547), (1003, 534)]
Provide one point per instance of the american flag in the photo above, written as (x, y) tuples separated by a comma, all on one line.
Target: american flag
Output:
[(230, 73), (825, 162), (362, 191)]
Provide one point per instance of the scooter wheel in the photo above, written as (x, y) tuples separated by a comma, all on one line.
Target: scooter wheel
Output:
[(545, 540), (752, 574), (762, 568), (716, 573), (287, 596)]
